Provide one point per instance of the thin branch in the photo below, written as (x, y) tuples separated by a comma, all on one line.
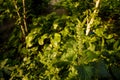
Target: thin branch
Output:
[(24, 16), (19, 17), (92, 19)]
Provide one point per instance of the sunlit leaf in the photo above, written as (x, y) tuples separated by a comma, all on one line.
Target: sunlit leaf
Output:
[(70, 55), (109, 36), (29, 39), (77, 4), (35, 30), (91, 47), (41, 40), (65, 32), (93, 39), (99, 32), (3, 63), (56, 47), (25, 78), (55, 25), (57, 37)]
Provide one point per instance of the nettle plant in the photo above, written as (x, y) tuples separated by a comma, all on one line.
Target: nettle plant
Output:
[(76, 46), (57, 48)]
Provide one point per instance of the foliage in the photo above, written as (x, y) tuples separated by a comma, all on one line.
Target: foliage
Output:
[(56, 47)]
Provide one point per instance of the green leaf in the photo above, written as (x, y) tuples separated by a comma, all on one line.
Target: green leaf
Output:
[(103, 42), (116, 71), (99, 32), (12, 37), (84, 72), (1, 1), (91, 47), (116, 44), (25, 78), (55, 25), (56, 39), (3, 63), (29, 40), (108, 36), (35, 30), (70, 55), (65, 32), (89, 56), (41, 40), (31, 36), (101, 69), (93, 39)]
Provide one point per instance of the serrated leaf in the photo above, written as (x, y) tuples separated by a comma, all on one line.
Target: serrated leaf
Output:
[(101, 69), (70, 55), (84, 72)]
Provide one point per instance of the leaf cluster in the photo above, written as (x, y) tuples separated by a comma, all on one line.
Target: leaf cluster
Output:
[(56, 47)]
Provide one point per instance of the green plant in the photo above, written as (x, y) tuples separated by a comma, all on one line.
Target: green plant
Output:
[(58, 47)]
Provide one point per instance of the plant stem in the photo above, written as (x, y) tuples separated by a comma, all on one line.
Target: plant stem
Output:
[(93, 16), (19, 18), (24, 16)]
